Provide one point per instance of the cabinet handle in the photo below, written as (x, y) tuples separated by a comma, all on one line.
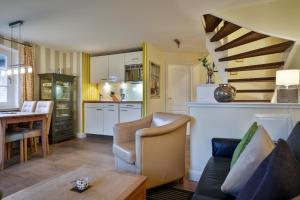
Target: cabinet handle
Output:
[(98, 109), (104, 79), (110, 105), (123, 110), (111, 110)]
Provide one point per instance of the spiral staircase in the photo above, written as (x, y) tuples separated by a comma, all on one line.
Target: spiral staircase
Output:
[(246, 59)]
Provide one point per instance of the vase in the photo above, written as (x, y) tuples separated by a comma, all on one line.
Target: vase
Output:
[(225, 93), (210, 76)]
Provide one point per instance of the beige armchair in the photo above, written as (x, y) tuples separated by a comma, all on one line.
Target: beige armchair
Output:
[(153, 146)]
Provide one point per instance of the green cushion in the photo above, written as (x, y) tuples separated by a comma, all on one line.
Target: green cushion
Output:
[(13, 136), (243, 143)]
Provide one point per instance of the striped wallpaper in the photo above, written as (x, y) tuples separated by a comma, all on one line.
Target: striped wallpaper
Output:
[(48, 60)]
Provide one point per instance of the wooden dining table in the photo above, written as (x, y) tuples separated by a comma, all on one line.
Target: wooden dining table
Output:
[(7, 118)]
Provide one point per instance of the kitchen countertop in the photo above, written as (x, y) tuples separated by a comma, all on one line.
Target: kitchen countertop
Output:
[(98, 101)]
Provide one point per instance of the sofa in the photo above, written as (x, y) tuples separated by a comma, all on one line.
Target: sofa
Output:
[(218, 166), (153, 146)]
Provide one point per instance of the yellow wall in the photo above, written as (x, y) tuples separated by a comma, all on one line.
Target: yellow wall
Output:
[(89, 91)]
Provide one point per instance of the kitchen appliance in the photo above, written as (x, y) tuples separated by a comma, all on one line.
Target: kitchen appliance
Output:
[(134, 72)]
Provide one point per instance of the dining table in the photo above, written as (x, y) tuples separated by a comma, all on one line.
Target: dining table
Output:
[(7, 118)]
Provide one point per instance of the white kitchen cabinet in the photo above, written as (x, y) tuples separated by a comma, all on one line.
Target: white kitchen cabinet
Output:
[(130, 112), (116, 70), (111, 117), (98, 68), (133, 58), (93, 122)]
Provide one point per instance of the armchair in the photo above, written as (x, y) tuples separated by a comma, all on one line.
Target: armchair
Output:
[(153, 146)]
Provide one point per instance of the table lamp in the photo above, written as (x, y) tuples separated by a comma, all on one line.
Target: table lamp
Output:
[(289, 79)]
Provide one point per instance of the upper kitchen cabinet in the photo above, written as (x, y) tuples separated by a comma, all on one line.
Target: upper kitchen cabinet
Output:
[(116, 68), (99, 68), (134, 58)]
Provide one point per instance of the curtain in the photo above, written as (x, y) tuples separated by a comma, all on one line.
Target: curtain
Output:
[(27, 80)]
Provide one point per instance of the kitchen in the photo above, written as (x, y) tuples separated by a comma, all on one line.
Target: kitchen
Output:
[(119, 82)]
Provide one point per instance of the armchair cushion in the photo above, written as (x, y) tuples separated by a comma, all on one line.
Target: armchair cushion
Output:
[(222, 147), (125, 151)]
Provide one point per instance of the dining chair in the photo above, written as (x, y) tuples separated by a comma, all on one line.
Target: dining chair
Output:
[(41, 107), (15, 134), (28, 106)]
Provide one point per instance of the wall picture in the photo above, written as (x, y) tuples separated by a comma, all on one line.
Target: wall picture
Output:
[(154, 80)]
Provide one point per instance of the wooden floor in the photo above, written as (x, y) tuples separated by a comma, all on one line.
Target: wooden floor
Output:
[(66, 156)]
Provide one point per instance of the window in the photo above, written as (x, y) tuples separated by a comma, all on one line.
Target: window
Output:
[(9, 84), (3, 79)]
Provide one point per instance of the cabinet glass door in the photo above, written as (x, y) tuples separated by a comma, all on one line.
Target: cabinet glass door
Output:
[(63, 90), (46, 89)]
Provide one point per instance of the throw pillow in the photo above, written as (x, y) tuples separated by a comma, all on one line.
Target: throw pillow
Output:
[(276, 178), (243, 143), (255, 152)]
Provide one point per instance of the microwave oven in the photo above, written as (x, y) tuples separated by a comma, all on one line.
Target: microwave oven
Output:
[(134, 72)]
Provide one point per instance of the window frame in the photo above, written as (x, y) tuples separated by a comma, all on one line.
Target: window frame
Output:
[(13, 81)]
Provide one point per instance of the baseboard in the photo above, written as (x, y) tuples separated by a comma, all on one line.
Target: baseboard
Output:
[(194, 175), (81, 135)]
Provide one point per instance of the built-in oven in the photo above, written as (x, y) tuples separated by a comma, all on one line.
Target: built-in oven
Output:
[(134, 72)]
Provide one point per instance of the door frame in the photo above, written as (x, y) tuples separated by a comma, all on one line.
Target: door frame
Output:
[(190, 66)]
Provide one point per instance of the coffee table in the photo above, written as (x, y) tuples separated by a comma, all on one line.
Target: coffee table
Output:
[(105, 185)]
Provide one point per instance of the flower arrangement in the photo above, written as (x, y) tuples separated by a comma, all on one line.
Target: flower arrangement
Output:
[(210, 69)]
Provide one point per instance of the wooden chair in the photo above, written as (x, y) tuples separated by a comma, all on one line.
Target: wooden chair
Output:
[(16, 134), (11, 137), (28, 106), (35, 132)]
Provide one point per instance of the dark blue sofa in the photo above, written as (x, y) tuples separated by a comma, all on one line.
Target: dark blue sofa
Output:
[(218, 166)]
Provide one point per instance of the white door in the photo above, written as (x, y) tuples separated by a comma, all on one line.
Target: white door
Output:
[(98, 69), (116, 67), (93, 120), (178, 88)]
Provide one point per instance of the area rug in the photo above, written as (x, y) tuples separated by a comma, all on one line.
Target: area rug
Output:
[(168, 193)]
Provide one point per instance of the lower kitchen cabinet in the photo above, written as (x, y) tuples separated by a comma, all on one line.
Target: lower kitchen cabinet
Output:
[(93, 122), (111, 117), (130, 112), (100, 118)]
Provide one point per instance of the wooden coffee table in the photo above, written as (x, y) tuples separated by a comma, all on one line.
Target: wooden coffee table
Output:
[(105, 185)]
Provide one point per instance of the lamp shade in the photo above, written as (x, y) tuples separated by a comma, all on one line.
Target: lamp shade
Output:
[(287, 77)]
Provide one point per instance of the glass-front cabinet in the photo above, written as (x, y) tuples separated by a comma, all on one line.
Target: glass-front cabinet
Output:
[(59, 88)]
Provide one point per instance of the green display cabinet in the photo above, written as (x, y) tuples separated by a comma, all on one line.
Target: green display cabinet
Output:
[(59, 88)]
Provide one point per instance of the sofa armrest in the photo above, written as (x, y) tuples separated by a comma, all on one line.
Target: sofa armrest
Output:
[(224, 147)]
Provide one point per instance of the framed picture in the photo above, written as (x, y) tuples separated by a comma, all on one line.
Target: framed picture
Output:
[(154, 80)]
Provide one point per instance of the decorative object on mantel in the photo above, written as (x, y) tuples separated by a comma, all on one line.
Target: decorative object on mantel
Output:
[(210, 70), (288, 85), (225, 93)]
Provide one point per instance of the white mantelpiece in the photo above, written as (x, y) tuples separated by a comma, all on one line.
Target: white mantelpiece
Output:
[(232, 120)]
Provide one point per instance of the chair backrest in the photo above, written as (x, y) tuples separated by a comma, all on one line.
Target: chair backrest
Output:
[(45, 107), (161, 119), (28, 106)]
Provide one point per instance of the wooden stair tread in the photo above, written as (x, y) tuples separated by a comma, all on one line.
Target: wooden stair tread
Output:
[(277, 48), (256, 91), (262, 79), (226, 30), (274, 65), (253, 100), (244, 39), (211, 22)]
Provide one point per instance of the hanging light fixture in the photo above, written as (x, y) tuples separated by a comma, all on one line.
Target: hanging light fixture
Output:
[(18, 67)]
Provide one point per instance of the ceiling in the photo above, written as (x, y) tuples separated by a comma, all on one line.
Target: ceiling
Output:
[(96, 26)]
